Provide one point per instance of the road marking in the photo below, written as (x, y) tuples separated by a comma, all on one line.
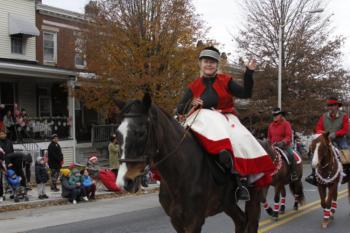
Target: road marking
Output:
[(296, 214), (291, 212)]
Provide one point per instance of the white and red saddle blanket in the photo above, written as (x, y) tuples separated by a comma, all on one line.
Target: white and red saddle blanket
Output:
[(217, 131)]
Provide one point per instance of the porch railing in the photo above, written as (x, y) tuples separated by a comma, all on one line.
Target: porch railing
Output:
[(40, 128), (101, 134)]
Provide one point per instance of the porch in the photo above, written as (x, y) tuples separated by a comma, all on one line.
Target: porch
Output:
[(38, 100)]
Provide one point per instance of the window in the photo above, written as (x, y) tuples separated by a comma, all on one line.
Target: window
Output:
[(79, 52), (50, 47), (17, 44)]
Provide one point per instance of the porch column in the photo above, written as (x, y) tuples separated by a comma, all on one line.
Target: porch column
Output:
[(71, 112)]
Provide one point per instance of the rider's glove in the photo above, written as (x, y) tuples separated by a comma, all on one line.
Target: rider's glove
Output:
[(281, 144)]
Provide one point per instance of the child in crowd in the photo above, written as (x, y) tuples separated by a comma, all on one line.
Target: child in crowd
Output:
[(75, 180), (41, 176), (88, 184), (13, 181), (72, 192)]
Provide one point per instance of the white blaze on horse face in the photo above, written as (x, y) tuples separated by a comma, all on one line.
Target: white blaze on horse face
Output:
[(315, 157), (123, 129)]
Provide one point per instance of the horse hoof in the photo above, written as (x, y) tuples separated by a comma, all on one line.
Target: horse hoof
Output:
[(275, 215), (296, 206), (269, 211), (282, 210)]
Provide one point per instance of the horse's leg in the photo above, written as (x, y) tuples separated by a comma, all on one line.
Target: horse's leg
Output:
[(265, 203), (334, 201), (283, 200), (238, 217), (276, 206), (177, 225), (323, 195), (252, 210)]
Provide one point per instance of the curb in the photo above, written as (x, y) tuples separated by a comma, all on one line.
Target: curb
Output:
[(64, 201)]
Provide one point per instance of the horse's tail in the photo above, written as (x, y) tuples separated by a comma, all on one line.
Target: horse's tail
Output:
[(297, 189)]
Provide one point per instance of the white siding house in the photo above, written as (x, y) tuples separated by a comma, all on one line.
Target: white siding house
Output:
[(37, 95), (22, 10)]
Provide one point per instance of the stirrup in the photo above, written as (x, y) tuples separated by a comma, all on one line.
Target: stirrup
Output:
[(239, 191), (311, 179), (294, 177)]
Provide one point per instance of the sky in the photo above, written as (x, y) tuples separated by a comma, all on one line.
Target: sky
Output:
[(224, 19)]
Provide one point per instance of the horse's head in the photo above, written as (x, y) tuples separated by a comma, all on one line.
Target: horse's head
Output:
[(134, 137), (321, 149)]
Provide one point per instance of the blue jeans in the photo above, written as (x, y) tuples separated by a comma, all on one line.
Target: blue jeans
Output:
[(341, 142)]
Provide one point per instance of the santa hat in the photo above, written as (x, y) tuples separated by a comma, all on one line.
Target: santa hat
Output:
[(93, 158)]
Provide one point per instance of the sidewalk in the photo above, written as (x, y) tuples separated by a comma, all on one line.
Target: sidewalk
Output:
[(56, 199)]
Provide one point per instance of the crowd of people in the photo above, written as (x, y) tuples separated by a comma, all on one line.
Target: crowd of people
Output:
[(76, 182)]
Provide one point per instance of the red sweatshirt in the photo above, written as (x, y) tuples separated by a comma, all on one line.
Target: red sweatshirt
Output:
[(280, 131)]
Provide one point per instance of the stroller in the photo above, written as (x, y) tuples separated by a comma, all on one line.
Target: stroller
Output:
[(14, 182), (15, 165)]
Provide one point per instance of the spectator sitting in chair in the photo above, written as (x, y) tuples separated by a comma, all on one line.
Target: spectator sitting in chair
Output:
[(93, 166)]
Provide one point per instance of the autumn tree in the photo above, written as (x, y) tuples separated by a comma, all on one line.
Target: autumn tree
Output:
[(140, 45), (311, 58)]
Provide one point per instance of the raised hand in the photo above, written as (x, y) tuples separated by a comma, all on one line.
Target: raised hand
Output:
[(252, 64)]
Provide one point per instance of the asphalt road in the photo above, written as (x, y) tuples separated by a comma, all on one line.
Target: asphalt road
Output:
[(143, 214)]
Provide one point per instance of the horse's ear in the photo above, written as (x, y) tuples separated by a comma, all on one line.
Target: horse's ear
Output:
[(147, 100), (120, 104), (326, 134)]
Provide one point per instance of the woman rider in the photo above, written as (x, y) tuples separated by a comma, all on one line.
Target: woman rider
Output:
[(218, 129)]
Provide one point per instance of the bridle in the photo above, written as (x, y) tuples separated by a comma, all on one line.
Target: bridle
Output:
[(145, 158)]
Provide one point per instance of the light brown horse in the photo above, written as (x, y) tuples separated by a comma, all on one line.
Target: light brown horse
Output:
[(280, 179), (328, 174)]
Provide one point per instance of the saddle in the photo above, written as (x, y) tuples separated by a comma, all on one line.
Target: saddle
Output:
[(284, 155)]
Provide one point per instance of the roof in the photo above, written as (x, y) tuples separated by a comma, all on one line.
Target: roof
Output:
[(19, 68), (58, 12)]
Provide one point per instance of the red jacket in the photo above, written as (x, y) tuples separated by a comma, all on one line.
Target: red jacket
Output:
[(341, 132), (225, 103), (280, 131)]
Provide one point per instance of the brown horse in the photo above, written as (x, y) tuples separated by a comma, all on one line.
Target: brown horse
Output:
[(281, 178), (328, 174), (189, 191)]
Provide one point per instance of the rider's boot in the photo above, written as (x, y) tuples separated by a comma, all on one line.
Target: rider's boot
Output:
[(293, 169), (292, 166), (311, 179), (242, 193)]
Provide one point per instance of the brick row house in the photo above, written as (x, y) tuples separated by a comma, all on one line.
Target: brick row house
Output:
[(40, 58)]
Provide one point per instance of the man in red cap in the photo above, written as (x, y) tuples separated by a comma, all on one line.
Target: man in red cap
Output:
[(336, 123)]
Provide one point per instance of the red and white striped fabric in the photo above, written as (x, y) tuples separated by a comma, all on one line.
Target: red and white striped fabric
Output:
[(217, 131)]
